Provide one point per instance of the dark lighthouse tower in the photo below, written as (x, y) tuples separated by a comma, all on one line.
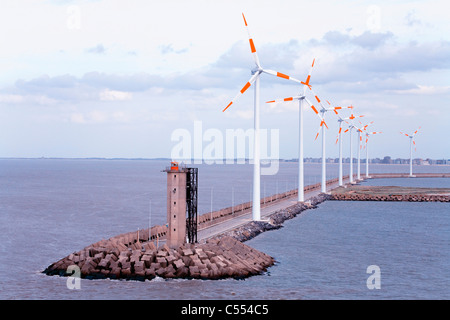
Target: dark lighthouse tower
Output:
[(182, 187)]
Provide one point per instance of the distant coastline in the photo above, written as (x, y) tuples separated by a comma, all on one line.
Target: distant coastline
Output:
[(422, 162)]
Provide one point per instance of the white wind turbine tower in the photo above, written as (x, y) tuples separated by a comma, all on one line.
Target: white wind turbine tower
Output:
[(411, 142), (323, 110), (351, 126), (339, 138), (368, 134), (360, 131), (256, 72), (300, 98)]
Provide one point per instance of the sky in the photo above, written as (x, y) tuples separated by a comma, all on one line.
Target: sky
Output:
[(120, 78)]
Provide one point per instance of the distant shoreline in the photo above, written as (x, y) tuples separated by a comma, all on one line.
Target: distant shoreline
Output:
[(194, 160)]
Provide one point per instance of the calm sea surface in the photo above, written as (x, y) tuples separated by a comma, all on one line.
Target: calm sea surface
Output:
[(50, 208)]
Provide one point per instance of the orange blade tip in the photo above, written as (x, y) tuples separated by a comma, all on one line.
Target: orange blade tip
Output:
[(245, 21), (227, 106)]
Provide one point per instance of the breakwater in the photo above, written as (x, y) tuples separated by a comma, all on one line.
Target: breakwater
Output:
[(389, 193), (274, 221), (132, 256), (212, 218), (214, 259)]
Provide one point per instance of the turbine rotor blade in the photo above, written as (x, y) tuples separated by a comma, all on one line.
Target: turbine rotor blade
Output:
[(284, 100), (306, 83), (314, 109), (247, 85), (252, 44), (280, 75), (321, 124)]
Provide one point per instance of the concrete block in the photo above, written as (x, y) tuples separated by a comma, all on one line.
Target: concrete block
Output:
[(147, 259), (162, 261), (139, 268), (187, 252), (135, 259), (204, 273), (136, 252), (114, 264), (86, 269), (160, 272), (178, 264), (202, 255), (182, 272), (210, 254), (170, 259), (162, 253), (115, 273), (105, 272), (104, 263), (194, 271), (150, 246), (150, 273), (186, 260), (98, 257), (125, 253), (139, 265), (125, 272)]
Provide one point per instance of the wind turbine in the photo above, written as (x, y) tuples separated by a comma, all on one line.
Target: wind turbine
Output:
[(360, 132), (323, 110), (351, 126), (300, 98), (411, 142), (339, 138), (368, 134), (256, 72)]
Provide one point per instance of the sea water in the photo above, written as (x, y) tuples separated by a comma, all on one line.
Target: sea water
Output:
[(50, 208)]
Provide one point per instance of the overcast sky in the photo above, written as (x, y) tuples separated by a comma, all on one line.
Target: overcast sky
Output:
[(116, 78)]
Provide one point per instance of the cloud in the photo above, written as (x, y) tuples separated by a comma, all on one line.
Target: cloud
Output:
[(131, 83), (411, 19), (426, 90), (98, 117), (367, 39), (382, 65), (368, 62), (112, 95), (98, 49), (372, 40), (11, 98), (167, 49)]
